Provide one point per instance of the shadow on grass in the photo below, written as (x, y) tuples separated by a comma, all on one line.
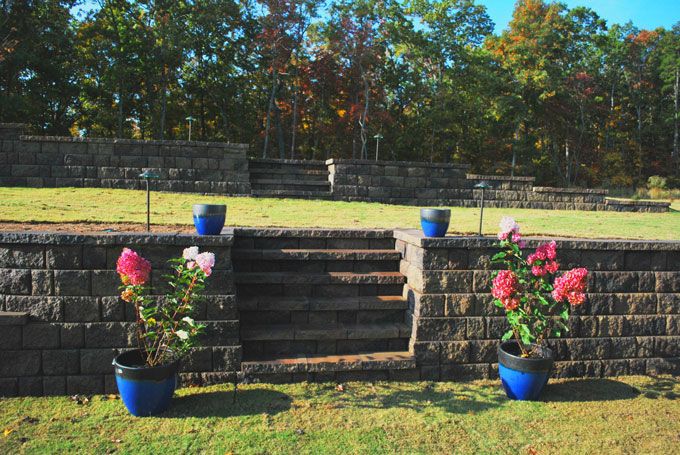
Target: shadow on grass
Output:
[(223, 404), (661, 387), (462, 400), (589, 390)]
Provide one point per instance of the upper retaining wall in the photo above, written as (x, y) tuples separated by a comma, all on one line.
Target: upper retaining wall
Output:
[(630, 323), (46, 161), (77, 322)]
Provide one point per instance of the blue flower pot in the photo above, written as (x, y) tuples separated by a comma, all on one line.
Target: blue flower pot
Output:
[(523, 378), (435, 222), (145, 391), (209, 218)]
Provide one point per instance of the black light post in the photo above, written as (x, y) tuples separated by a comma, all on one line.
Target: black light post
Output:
[(482, 186), (377, 138), (148, 175)]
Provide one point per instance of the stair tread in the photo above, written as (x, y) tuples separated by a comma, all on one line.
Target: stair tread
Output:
[(13, 317), (257, 192), (341, 362), (288, 171), (280, 332), (320, 278), (266, 181), (376, 302), (305, 254)]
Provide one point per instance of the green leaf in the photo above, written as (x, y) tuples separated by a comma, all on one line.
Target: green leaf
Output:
[(507, 335)]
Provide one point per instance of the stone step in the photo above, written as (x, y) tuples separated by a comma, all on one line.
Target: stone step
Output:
[(284, 238), (308, 332), (365, 303), (288, 184), (269, 163), (289, 254), (312, 363), (13, 318), (320, 279), (292, 194), (290, 172)]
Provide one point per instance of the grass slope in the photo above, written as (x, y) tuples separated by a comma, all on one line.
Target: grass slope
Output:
[(70, 205), (622, 415)]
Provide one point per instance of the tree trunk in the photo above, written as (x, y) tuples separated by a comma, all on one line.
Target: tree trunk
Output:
[(279, 133), (270, 107), (119, 128), (293, 128), (674, 153)]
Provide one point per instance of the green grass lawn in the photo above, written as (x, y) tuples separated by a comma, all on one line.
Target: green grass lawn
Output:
[(622, 415), (71, 205)]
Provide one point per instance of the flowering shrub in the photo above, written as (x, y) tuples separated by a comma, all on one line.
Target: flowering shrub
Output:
[(165, 329), (536, 302)]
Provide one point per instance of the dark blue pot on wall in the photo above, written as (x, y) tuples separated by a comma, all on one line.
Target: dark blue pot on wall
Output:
[(209, 218), (145, 391), (435, 222), (523, 378)]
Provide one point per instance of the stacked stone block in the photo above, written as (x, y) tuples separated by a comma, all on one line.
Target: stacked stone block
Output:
[(202, 167), (63, 321), (629, 325), (406, 183)]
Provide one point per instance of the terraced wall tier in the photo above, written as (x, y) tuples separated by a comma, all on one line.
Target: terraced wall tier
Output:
[(44, 161), (630, 323), (76, 323)]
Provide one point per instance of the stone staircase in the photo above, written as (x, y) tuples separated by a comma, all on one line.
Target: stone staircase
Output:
[(321, 305), (289, 178)]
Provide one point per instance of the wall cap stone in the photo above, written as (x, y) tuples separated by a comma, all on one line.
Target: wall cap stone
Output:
[(417, 238), (636, 202), (398, 163), (102, 140), (550, 189), (503, 178), (309, 233), (115, 238)]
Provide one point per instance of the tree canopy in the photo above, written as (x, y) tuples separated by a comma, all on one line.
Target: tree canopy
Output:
[(559, 94)]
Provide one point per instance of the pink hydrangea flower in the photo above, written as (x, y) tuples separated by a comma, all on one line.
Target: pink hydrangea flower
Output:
[(504, 289), (546, 251), (571, 287), (132, 268), (190, 253), (206, 261)]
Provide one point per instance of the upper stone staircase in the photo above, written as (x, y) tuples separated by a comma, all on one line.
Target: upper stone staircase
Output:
[(289, 178), (321, 305)]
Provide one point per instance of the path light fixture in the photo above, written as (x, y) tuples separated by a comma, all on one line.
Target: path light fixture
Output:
[(482, 186), (148, 175), (190, 119), (377, 138)]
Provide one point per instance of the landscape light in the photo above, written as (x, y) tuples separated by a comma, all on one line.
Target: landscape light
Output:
[(148, 175), (482, 186)]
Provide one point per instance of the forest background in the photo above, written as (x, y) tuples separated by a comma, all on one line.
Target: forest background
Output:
[(559, 94)]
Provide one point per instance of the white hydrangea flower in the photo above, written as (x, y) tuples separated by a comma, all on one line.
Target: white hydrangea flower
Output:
[(182, 334), (190, 253), (188, 320)]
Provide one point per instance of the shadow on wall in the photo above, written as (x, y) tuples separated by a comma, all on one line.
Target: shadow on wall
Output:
[(228, 403)]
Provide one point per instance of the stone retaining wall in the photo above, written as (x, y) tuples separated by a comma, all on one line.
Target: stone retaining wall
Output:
[(629, 325), (77, 322), (44, 161)]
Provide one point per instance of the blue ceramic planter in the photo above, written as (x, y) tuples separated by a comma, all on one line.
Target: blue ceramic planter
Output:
[(435, 222), (523, 378), (145, 391), (209, 218)]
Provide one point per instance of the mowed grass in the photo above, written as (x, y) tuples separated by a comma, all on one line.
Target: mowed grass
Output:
[(623, 415), (77, 205)]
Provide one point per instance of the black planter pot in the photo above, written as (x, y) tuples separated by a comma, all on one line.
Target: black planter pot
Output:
[(144, 390), (523, 378)]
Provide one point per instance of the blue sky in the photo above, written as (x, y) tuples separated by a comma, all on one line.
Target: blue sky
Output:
[(647, 14)]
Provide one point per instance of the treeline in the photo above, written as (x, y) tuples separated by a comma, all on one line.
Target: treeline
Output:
[(560, 94)]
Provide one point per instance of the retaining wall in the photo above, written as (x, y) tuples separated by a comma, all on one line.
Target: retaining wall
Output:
[(76, 321), (44, 161), (630, 323)]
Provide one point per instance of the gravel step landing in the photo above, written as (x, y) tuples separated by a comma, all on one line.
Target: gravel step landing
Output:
[(307, 363)]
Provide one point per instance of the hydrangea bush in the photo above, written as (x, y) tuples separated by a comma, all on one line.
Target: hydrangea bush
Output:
[(537, 302), (165, 329)]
